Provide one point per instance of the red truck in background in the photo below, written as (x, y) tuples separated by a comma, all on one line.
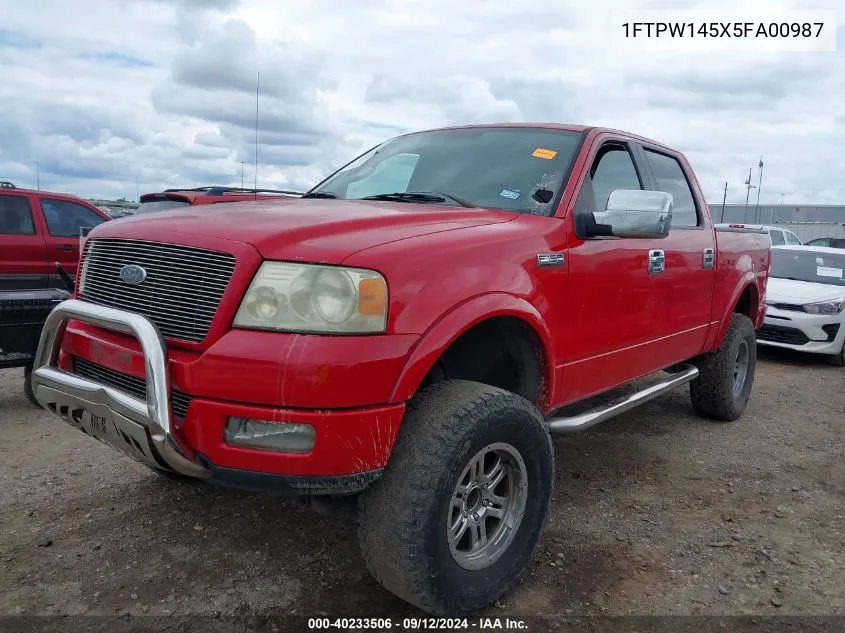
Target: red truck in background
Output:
[(404, 337), (37, 230)]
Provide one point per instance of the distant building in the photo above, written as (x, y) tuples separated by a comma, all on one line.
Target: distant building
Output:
[(773, 213)]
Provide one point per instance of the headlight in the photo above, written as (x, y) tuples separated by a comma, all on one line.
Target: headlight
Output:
[(825, 307), (310, 298)]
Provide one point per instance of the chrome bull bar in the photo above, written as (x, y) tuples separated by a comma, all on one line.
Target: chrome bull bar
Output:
[(142, 430)]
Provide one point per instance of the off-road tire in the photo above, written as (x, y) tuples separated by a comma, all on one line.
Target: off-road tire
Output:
[(712, 393), (402, 517), (27, 386)]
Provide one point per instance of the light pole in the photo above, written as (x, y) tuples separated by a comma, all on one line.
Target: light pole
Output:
[(724, 197), (759, 188), (748, 187), (242, 174), (38, 175)]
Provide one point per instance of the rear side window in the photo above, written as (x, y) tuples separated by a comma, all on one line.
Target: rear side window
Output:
[(66, 219), (16, 216), (671, 179), (777, 237)]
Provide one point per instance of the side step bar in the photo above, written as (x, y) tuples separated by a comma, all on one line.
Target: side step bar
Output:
[(565, 425)]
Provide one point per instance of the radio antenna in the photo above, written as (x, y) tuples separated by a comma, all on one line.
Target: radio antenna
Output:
[(257, 85)]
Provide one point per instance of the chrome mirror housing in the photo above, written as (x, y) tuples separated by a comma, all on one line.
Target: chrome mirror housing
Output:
[(635, 213)]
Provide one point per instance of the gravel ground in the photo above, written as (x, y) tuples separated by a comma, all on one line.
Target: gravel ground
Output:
[(655, 513)]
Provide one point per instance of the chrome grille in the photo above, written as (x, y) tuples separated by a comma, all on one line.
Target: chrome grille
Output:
[(133, 386), (181, 292)]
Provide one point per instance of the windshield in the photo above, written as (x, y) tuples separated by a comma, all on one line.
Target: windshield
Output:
[(515, 169), (161, 205), (814, 266)]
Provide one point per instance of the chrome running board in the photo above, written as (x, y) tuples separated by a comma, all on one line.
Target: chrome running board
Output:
[(565, 425)]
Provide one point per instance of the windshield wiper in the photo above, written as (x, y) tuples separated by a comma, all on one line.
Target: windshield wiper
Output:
[(319, 194), (420, 196)]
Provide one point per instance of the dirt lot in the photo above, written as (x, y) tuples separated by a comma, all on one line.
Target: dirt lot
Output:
[(655, 513)]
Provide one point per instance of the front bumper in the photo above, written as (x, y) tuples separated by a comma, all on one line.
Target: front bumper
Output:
[(350, 450), (814, 333)]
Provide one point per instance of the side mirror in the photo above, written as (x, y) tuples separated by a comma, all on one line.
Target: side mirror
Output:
[(635, 213)]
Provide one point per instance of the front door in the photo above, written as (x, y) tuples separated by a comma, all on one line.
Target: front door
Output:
[(23, 255), (617, 294)]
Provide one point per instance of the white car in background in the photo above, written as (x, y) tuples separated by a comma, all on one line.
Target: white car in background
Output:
[(778, 235), (805, 300)]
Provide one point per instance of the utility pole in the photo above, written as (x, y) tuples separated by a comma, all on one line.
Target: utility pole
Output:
[(242, 174), (724, 197), (759, 188), (781, 199), (748, 187), (38, 175)]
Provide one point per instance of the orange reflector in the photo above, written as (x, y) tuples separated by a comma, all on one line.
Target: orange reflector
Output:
[(372, 297)]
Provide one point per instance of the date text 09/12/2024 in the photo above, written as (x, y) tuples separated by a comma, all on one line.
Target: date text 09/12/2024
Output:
[(724, 29), (418, 624)]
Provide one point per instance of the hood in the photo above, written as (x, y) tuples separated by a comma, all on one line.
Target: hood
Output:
[(312, 229), (800, 292)]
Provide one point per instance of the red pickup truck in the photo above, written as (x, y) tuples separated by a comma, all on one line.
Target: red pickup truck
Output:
[(405, 335)]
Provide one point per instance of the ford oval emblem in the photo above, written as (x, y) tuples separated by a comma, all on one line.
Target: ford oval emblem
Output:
[(132, 274)]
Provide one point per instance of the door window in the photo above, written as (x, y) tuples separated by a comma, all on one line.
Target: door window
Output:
[(777, 237), (669, 177), (613, 169), (791, 238), (822, 241), (16, 216), (65, 219)]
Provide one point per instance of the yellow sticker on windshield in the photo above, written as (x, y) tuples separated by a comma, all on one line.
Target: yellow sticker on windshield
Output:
[(544, 153)]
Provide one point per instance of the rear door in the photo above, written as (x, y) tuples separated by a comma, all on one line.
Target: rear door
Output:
[(690, 274), (62, 221), (23, 253)]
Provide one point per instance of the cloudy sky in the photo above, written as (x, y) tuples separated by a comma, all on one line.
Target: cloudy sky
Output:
[(103, 92)]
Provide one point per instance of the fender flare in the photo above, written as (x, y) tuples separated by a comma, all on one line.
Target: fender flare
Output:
[(746, 281), (458, 320)]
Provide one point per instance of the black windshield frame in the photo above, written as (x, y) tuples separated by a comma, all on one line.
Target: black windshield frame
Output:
[(565, 173), (785, 266)]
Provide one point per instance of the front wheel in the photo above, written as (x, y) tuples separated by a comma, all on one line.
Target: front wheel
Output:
[(463, 502), (838, 360), (27, 386), (726, 376)]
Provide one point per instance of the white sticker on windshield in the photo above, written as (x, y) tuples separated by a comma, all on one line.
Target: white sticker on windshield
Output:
[(507, 193), (825, 271)]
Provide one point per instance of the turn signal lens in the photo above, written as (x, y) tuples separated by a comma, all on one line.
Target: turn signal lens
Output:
[(372, 297)]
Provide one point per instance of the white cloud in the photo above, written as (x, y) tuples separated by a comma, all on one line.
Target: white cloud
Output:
[(163, 90)]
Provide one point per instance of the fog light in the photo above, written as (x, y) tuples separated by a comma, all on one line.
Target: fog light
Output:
[(284, 437)]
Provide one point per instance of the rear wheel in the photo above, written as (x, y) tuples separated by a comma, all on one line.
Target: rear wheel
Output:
[(463, 501), (726, 376)]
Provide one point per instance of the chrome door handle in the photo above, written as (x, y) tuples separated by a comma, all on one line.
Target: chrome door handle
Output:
[(708, 259), (656, 262)]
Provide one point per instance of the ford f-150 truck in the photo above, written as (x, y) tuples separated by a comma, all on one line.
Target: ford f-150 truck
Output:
[(405, 336)]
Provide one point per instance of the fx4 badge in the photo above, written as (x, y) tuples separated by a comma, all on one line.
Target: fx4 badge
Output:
[(549, 259)]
